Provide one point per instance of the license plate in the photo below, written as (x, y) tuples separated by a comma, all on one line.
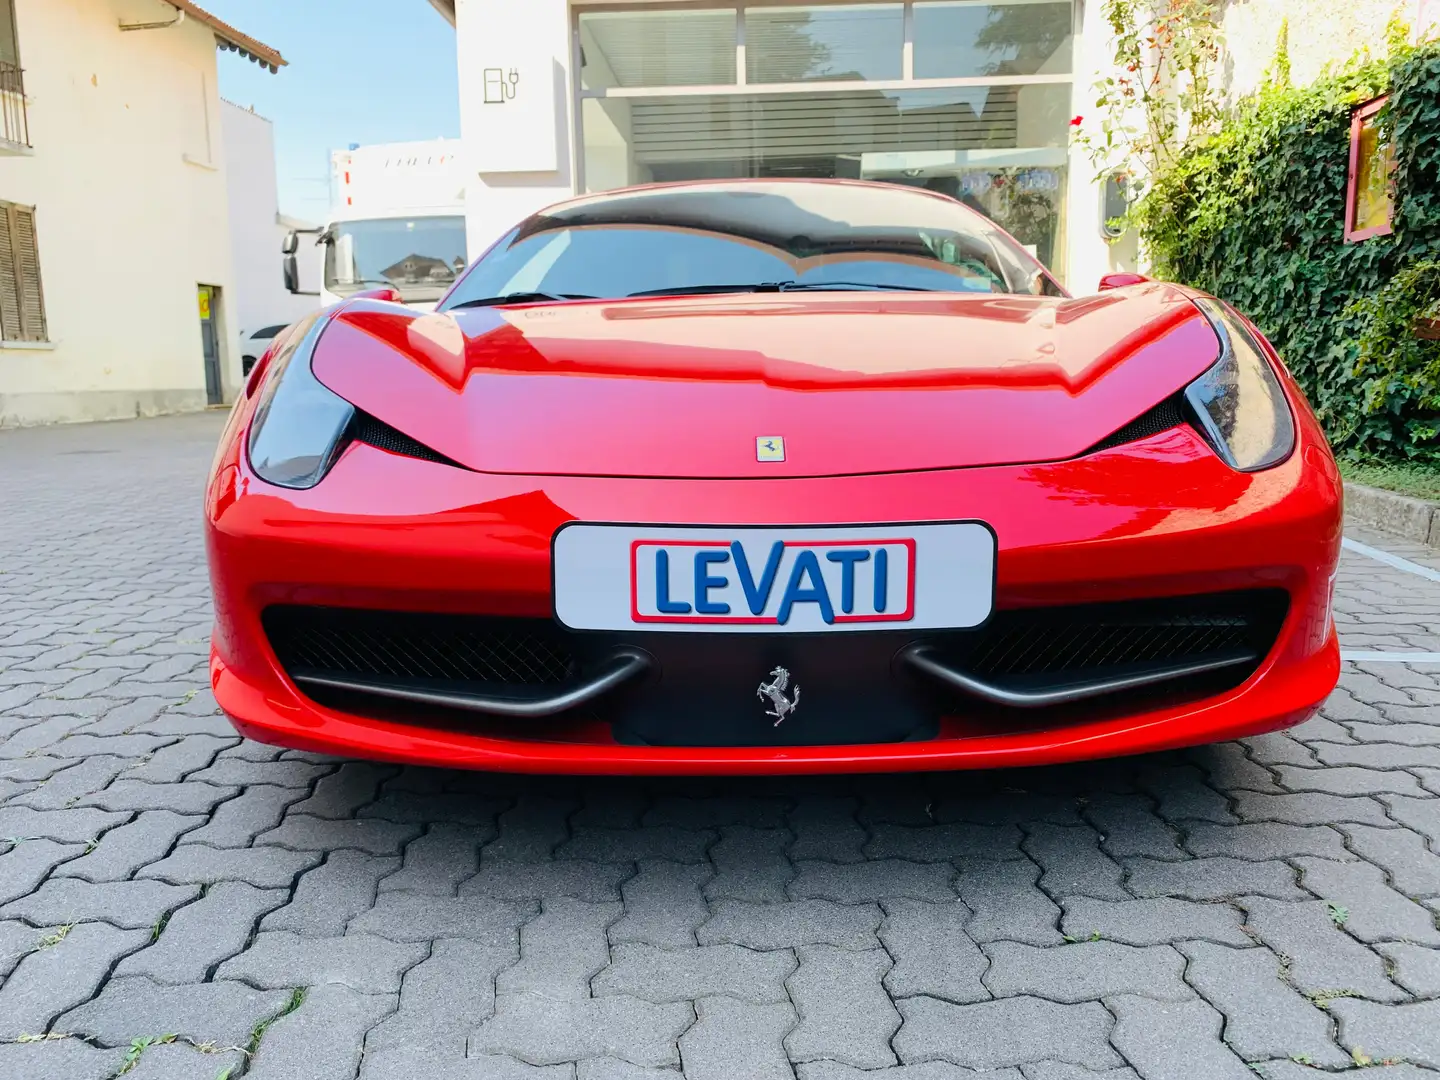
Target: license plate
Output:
[(773, 580)]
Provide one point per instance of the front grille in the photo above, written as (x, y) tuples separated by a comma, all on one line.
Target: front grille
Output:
[(1168, 414), (436, 648), (1065, 641)]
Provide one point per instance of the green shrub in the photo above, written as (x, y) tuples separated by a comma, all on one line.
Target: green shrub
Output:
[(1255, 214)]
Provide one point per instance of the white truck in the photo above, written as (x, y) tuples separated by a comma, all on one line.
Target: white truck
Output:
[(397, 219)]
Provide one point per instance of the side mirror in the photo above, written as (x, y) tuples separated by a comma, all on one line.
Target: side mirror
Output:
[(382, 293), (1120, 280), (290, 244), (292, 273)]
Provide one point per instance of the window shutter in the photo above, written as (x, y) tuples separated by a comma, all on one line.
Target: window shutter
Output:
[(32, 299), (22, 302), (9, 284)]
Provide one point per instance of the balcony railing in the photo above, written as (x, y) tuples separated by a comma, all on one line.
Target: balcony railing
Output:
[(14, 123)]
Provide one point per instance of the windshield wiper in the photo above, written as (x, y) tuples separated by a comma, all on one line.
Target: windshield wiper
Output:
[(798, 286), (522, 298), (777, 286)]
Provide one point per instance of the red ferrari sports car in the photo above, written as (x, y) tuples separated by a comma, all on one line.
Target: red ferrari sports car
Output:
[(770, 477)]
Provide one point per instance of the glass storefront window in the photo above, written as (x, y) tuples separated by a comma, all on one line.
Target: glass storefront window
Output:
[(1000, 150), (964, 38), (685, 47), (831, 43)]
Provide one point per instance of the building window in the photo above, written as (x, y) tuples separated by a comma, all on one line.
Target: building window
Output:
[(1369, 199), (14, 124), (22, 303), (970, 98)]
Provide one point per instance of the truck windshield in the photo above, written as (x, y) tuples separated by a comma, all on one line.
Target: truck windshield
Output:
[(419, 256)]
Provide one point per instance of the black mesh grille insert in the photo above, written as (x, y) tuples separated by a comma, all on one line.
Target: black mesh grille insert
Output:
[(1049, 641), (446, 648), (365, 428), (1168, 414)]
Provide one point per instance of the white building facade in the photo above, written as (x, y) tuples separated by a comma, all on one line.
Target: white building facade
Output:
[(257, 229), (974, 98), (116, 293)]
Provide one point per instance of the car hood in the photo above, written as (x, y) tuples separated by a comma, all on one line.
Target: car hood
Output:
[(684, 386)]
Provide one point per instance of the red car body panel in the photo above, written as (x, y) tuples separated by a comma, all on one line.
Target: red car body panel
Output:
[(682, 386)]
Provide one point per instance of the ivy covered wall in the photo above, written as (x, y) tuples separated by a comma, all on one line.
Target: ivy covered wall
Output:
[(1255, 214)]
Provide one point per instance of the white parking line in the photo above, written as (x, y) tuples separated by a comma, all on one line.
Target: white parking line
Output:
[(1358, 656), (1390, 560)]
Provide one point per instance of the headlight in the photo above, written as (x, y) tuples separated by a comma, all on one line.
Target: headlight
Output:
[(300, 425), (1239, 402)]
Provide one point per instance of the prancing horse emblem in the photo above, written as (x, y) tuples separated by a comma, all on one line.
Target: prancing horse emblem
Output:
[(774, 690)]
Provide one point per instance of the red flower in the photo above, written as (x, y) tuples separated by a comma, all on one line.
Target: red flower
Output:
[(1077, 121)]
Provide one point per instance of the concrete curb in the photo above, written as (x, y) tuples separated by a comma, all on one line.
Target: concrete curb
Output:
[(1400, 515)]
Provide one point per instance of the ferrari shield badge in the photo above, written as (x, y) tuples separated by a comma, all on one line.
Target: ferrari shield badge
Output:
[(770, 448), (774, 692)]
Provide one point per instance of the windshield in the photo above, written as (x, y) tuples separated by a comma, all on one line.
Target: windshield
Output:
[(739, 236), (419, 256)]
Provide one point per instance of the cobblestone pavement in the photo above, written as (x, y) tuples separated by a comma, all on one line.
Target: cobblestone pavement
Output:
[(175, 899)]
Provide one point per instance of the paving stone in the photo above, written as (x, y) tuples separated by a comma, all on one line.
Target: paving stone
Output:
[(123, 850), (442, 999), (1322, 958), (131, 905), (1007, 901), (1309, 808), (406, 916), (929, 1070), (1413, 867), (655, 974), (532, 829), (1008, 805), (26, 863), (546, 1031), (561, 950), (321, 1039), (1169, 1040), (363, 962), (631, 845), (170, 764), (506, 879), (437, 861), (714, 811), (750, 865), (613, 1069), (1128, 825), (1003, 1033), (78, 826), (796, 922), (1294, 1070), (200, 935), (343, 792), (301, 832), (732, 1039), (1183, 795), (86, 745), (1229, 768), (1281, 748), (265, 867), (1266, 840), (1217, 878), (331, 894), (663, 904), (1059, 1070), (1374, 911), (224, 1013), (845, 1014), (59, 976), (1349, 781), (181, 1061), (1409, 1033), (933, 953), (452, 808), (1264, 1016), (1381, 755), (940, 843), (185, 798), (17, 941), (238, 821), (1152, 922), (238, 772), (1073, 864), (1422, 815), (827, 828), (58, 1059), (1405, 734), (851, 883), (1084, 971), (67, 785)]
